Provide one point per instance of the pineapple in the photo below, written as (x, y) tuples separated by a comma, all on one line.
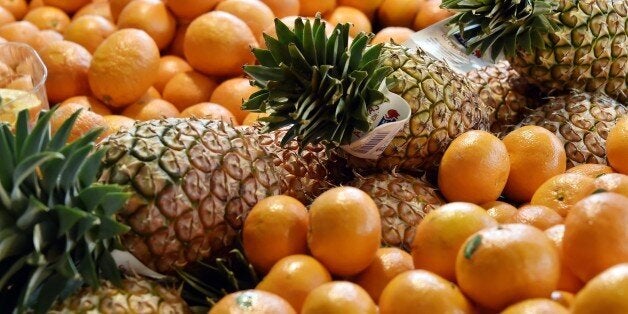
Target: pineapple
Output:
[(582, 121), (403, 201), (576, 44), (57, 225), (322, 89), (135, 295), (194, 181)]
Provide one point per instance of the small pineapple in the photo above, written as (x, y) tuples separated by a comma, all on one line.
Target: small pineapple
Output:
[(582, 121), (135, 295), (403, 201)]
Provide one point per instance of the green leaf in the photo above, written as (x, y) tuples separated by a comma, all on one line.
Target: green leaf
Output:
[(472, 246), (13, 269), (109, 228), (69, 176), (21, 129), (93, 196), (68, 217), (38, 136), (13, 244), (113, 202), (264, 57), (34, 213), (87, 268), (89, 171), (7, 156), (27, 166), (50, 291), (60, 138)]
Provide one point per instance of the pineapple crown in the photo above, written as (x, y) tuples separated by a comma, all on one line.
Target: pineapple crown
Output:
[(502, 26), (320, 86), (57, 225)]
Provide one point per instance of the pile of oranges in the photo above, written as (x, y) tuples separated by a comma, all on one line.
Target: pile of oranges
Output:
[(128, 60), (519, 234)]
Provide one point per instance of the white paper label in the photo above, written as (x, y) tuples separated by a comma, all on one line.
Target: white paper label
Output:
[(130, 264)]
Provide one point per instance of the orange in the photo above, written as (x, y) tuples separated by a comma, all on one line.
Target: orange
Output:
[(176, 46), (345, 230), (613, 182), (169, 66), (429, 13), (338, 297), (89, 31), (591, 170), (151, 109), (67, 64), (568, 280), (276, 227), (115, 7), (101, 8), (5, 16), (252, 117), (537, 306), (85, 122), (502, 265), (536, 155), (564, 298), (188, 88), (48, 18), (209, 110), (617, 146), (257, 15), (124, 66), (398, 35), (117, 123), (538, 216), (294, 277), (190, 9), (225, 37), (21, 31), (366, 6), (232, 93), (18, 8), (283, 8), (89, 103), (252, 302), (605, 293), (388, 263), (562, 191), (398, 12), (151, 16), (69, 6), (420, 291), (45, 38), (474, 168), (151, 93), (502, 212), (596, 236), (358, 20), (442, 232), (35, 4), (310, 8)]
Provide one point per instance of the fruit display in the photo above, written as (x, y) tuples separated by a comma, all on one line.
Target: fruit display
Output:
[(200, 157)]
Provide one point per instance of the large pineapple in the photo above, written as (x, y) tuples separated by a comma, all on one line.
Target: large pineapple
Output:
[(560, 44), (194, 181), (57, 225), (582, 121), (322, 89), (403, 201)]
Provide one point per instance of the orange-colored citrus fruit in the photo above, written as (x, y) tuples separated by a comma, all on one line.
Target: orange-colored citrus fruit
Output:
[(429, 13), (613, 182), (275, 228), (398, 35), (367, 6), (45, 38), (562, 191), (5, 16), (596, 236), (48, 18), (89, 103), (502, 212), (223, 36), (538, 216), (420, 291), (211, 111), (388, 263), (294, 277), (310, 8), (85, 122), (502, 265), (67, 65), (345, 230), (474, 168), (188, 88), (358, 20), (117, 123), (563, 298), (252, 302), (536, 155), (190, 9), (568, 280), (441, 233), (617, 146), (232, 93), (605, 293), (338, 297), (398, 12), (123, 67), (115, 7), (257, 15), (18, 8), (99, 8), (151, 93), (151, 16), (283, 8), (169, 66), (152, 109), (89, 31), (537, 306), (591, 170), (252, 118), (20, 31), (176, 46), (69, 6)]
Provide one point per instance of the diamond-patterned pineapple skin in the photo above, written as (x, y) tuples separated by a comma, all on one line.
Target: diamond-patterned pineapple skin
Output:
[(194, 182), (581, 121), (403, 200)]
